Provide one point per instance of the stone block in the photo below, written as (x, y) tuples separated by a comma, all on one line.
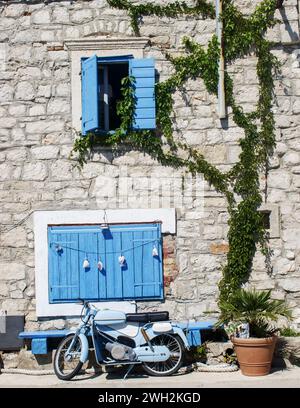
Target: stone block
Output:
[(41, 17), (44, 90), (15, 306), (7, 122), (60, 15), (15, 238), (284, 266), (24, 91), (212, 232), (14, 10), (45, 126), (290, 284), (3, 288), (205, 262), (12, 271), (59, 56), (58, 106), (81, 16), (37, 110), (184, 290), (17, 110), (218, 349), (45, 152), (201, 123), (6, 93), (280, 179), (61, 170), (291, 158), (35, 171), (17, 155), (73, 193), (16, 294), (62, 90)]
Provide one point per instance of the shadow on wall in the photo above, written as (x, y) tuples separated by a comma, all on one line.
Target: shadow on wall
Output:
[(294, 36)]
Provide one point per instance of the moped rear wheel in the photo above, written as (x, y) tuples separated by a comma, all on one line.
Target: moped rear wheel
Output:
[(172, 365), (67, 366)]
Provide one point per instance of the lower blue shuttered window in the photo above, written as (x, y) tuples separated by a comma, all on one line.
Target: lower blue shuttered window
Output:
[(104, 278)]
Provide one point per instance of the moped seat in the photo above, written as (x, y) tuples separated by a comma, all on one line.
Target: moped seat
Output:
[(147, 317)]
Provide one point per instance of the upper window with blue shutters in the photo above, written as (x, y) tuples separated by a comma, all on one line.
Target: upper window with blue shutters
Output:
[(101, 91)]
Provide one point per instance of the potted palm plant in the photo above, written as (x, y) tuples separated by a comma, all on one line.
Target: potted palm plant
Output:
[(259, 312)]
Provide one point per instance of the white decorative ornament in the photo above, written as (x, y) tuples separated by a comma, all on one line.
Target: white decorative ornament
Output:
[(122, 260), (100, 265), (154, 251), (86, 264)]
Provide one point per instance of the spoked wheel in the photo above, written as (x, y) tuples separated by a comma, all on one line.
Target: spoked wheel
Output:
[(172, 365), (66, 366)]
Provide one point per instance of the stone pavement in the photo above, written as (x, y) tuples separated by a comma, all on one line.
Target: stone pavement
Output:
[(288, 378)]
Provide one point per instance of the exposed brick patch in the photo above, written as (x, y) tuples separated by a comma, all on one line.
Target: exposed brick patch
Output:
[(219, 248), (169, 261)]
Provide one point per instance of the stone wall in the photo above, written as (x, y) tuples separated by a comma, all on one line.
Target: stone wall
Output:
[(36, 138)]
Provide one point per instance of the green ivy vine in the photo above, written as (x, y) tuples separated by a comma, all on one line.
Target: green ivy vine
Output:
[(242, 36)]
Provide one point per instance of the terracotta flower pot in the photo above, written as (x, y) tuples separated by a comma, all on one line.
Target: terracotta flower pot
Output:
[(254, 355)]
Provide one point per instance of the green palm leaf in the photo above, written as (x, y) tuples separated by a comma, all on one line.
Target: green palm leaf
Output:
[(256, 308)]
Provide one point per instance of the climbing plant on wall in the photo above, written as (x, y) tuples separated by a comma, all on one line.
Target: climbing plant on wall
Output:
[(242, 36)]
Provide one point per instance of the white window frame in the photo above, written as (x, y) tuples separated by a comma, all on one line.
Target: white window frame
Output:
[(102, 47), (42, 219)]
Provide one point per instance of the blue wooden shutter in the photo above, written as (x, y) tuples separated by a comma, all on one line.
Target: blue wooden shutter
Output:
[(63, 265), (89, 93), (142, 275), (144, 73), (68, 280)]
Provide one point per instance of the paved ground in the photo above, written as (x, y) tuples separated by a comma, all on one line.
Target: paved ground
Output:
[(276, 379)]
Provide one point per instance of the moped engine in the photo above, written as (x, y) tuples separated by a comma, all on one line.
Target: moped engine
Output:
[(120, 351)]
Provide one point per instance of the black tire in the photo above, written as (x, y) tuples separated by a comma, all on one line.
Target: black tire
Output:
[(173, 364), (59, 359)]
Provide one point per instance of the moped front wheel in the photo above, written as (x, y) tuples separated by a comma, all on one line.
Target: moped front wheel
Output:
[(174, 362), (66, 366)]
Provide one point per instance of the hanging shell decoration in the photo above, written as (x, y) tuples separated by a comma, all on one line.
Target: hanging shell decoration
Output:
[(154, 251), (86, 264), (100, 265), (122, 260)]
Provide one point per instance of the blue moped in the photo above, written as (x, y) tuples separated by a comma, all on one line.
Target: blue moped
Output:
[(149, 339)]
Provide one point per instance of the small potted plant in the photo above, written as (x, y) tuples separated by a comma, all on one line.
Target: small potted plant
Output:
[(256, 311)]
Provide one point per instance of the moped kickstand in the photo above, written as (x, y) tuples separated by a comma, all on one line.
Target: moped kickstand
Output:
[(128, 371)]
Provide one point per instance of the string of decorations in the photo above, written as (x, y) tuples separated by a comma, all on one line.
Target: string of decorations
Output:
[(59, 247), (121, 259)]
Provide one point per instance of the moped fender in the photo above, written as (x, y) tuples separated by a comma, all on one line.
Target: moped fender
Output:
[(85, 348), (181, 334), (175, 330)]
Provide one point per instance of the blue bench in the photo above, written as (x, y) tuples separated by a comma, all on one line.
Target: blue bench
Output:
[(39, 339), (193, 330)]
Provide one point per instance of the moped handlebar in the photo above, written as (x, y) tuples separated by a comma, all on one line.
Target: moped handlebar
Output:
[(82, 302)]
